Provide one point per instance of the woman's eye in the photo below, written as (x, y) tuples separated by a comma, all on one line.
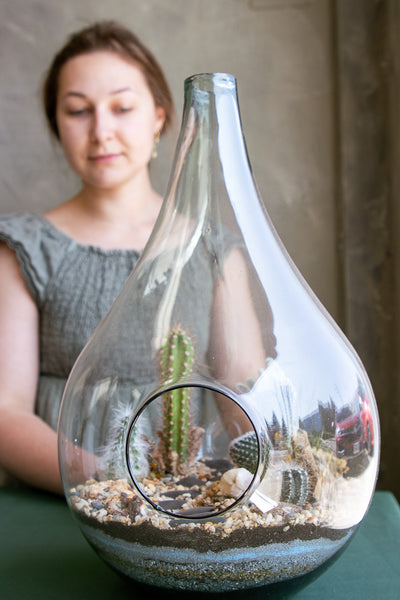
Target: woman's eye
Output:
[(77, 112), (123, 109)]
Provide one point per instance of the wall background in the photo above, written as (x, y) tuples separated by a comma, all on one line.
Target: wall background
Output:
[(318, 84)]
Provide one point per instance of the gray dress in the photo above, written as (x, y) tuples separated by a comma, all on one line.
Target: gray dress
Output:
[(74, 285)]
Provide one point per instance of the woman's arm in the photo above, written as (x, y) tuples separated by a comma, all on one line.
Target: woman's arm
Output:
[(28, 446), (236, 350)]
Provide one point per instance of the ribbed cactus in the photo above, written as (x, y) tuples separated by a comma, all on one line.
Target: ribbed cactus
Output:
[(177, 359), (295, 486)]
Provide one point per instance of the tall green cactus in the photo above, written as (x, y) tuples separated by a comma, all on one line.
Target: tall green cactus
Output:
[(177, 359)]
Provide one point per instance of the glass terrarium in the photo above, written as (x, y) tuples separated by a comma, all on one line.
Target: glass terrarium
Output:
[(218, 431)]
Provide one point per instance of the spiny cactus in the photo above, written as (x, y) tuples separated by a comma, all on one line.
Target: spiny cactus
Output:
[(177, 359), (113, 452), (295, 486), (243, 451)]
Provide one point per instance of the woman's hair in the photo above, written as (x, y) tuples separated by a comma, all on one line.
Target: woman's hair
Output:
[(109, 36)]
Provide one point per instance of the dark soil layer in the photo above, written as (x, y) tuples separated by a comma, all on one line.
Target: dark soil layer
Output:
[(201, 540)]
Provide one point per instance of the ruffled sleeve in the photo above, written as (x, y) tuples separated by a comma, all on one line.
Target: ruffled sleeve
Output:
[(38, 249)]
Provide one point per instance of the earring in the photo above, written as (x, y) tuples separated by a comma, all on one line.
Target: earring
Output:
[(156, 140)]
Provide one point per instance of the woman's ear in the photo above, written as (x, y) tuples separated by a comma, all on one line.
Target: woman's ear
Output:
[(160, 120)]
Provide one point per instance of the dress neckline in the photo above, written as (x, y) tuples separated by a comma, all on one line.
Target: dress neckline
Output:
[(87, 247)]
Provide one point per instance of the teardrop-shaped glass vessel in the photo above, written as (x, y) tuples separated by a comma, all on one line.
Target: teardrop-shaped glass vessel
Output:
[(218, 431)]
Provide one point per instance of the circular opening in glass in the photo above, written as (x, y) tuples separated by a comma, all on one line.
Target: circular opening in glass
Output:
[(200, 448)]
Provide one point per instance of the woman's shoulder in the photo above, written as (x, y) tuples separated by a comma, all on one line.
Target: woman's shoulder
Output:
[(33, 236), (24, 226), (38, 247), (16, 219)]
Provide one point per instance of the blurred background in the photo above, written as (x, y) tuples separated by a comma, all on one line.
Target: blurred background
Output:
[(319, 93)]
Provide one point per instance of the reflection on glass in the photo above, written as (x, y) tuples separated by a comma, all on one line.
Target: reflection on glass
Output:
[(218, 431)]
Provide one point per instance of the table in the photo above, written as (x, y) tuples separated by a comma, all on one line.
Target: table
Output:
[(44, 555)]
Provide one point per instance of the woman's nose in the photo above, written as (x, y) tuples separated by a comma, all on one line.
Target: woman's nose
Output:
[(101, 126)]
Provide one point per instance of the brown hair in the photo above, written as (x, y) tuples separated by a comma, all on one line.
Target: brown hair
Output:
[(111, 36)]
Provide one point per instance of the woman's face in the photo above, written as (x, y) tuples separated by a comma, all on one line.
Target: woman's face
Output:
[(107, 119)]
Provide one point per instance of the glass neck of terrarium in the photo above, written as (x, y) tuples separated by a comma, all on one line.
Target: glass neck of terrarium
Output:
[(210, 148), (211, 175)]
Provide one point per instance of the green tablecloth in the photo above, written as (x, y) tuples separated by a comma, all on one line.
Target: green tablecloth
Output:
[(44, 555)]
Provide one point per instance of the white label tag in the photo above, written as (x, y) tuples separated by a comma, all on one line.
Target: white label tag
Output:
[(262, 502)]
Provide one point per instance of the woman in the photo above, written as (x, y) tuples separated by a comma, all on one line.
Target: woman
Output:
[(107, 102)]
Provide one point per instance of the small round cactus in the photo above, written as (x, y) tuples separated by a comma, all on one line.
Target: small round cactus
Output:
[(243, 451)]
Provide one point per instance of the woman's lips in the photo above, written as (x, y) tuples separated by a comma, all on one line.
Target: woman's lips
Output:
[(103, 158)]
